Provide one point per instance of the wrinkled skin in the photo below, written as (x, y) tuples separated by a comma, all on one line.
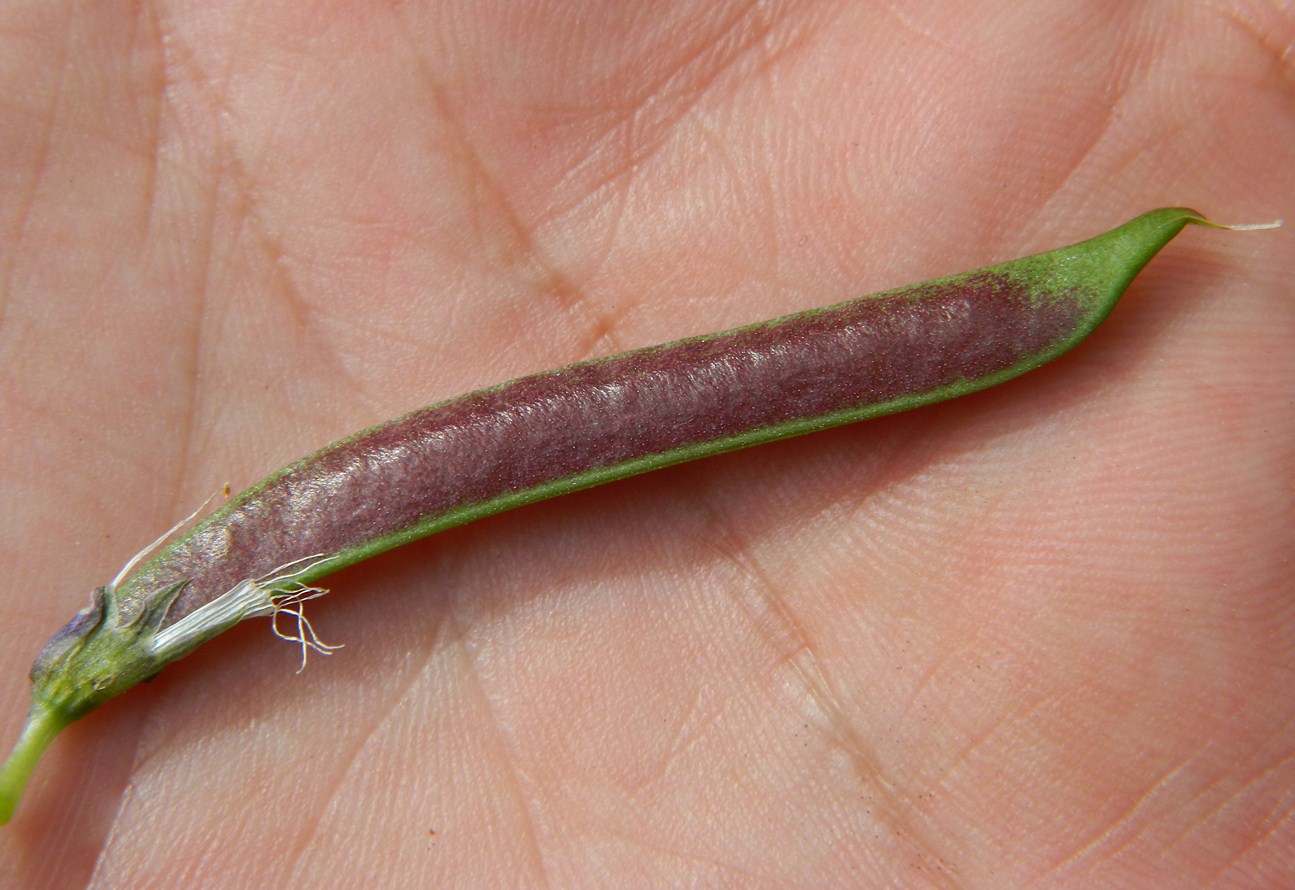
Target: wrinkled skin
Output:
[(1044, 635)]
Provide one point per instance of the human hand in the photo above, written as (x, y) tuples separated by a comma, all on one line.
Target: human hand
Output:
[(1039, 635)]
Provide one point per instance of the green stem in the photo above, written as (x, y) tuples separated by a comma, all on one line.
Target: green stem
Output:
[(41, 728)]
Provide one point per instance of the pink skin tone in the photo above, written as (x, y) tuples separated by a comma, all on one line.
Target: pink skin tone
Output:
[(1039, 635)]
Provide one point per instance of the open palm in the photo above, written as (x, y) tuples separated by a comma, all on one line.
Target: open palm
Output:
[(1043, 635)]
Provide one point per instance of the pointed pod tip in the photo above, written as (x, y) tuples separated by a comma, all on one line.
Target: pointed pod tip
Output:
[(1200, 220), (1254, 227)]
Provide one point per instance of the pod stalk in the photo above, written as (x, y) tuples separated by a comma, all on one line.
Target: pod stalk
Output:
[(42, 726)]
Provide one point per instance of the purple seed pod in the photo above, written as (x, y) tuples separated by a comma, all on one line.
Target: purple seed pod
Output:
[(564, 430)]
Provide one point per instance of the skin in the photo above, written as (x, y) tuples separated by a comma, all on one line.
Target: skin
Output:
[(1039, 635)]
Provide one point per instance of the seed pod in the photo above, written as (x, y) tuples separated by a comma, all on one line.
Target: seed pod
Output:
[(564, 430)]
